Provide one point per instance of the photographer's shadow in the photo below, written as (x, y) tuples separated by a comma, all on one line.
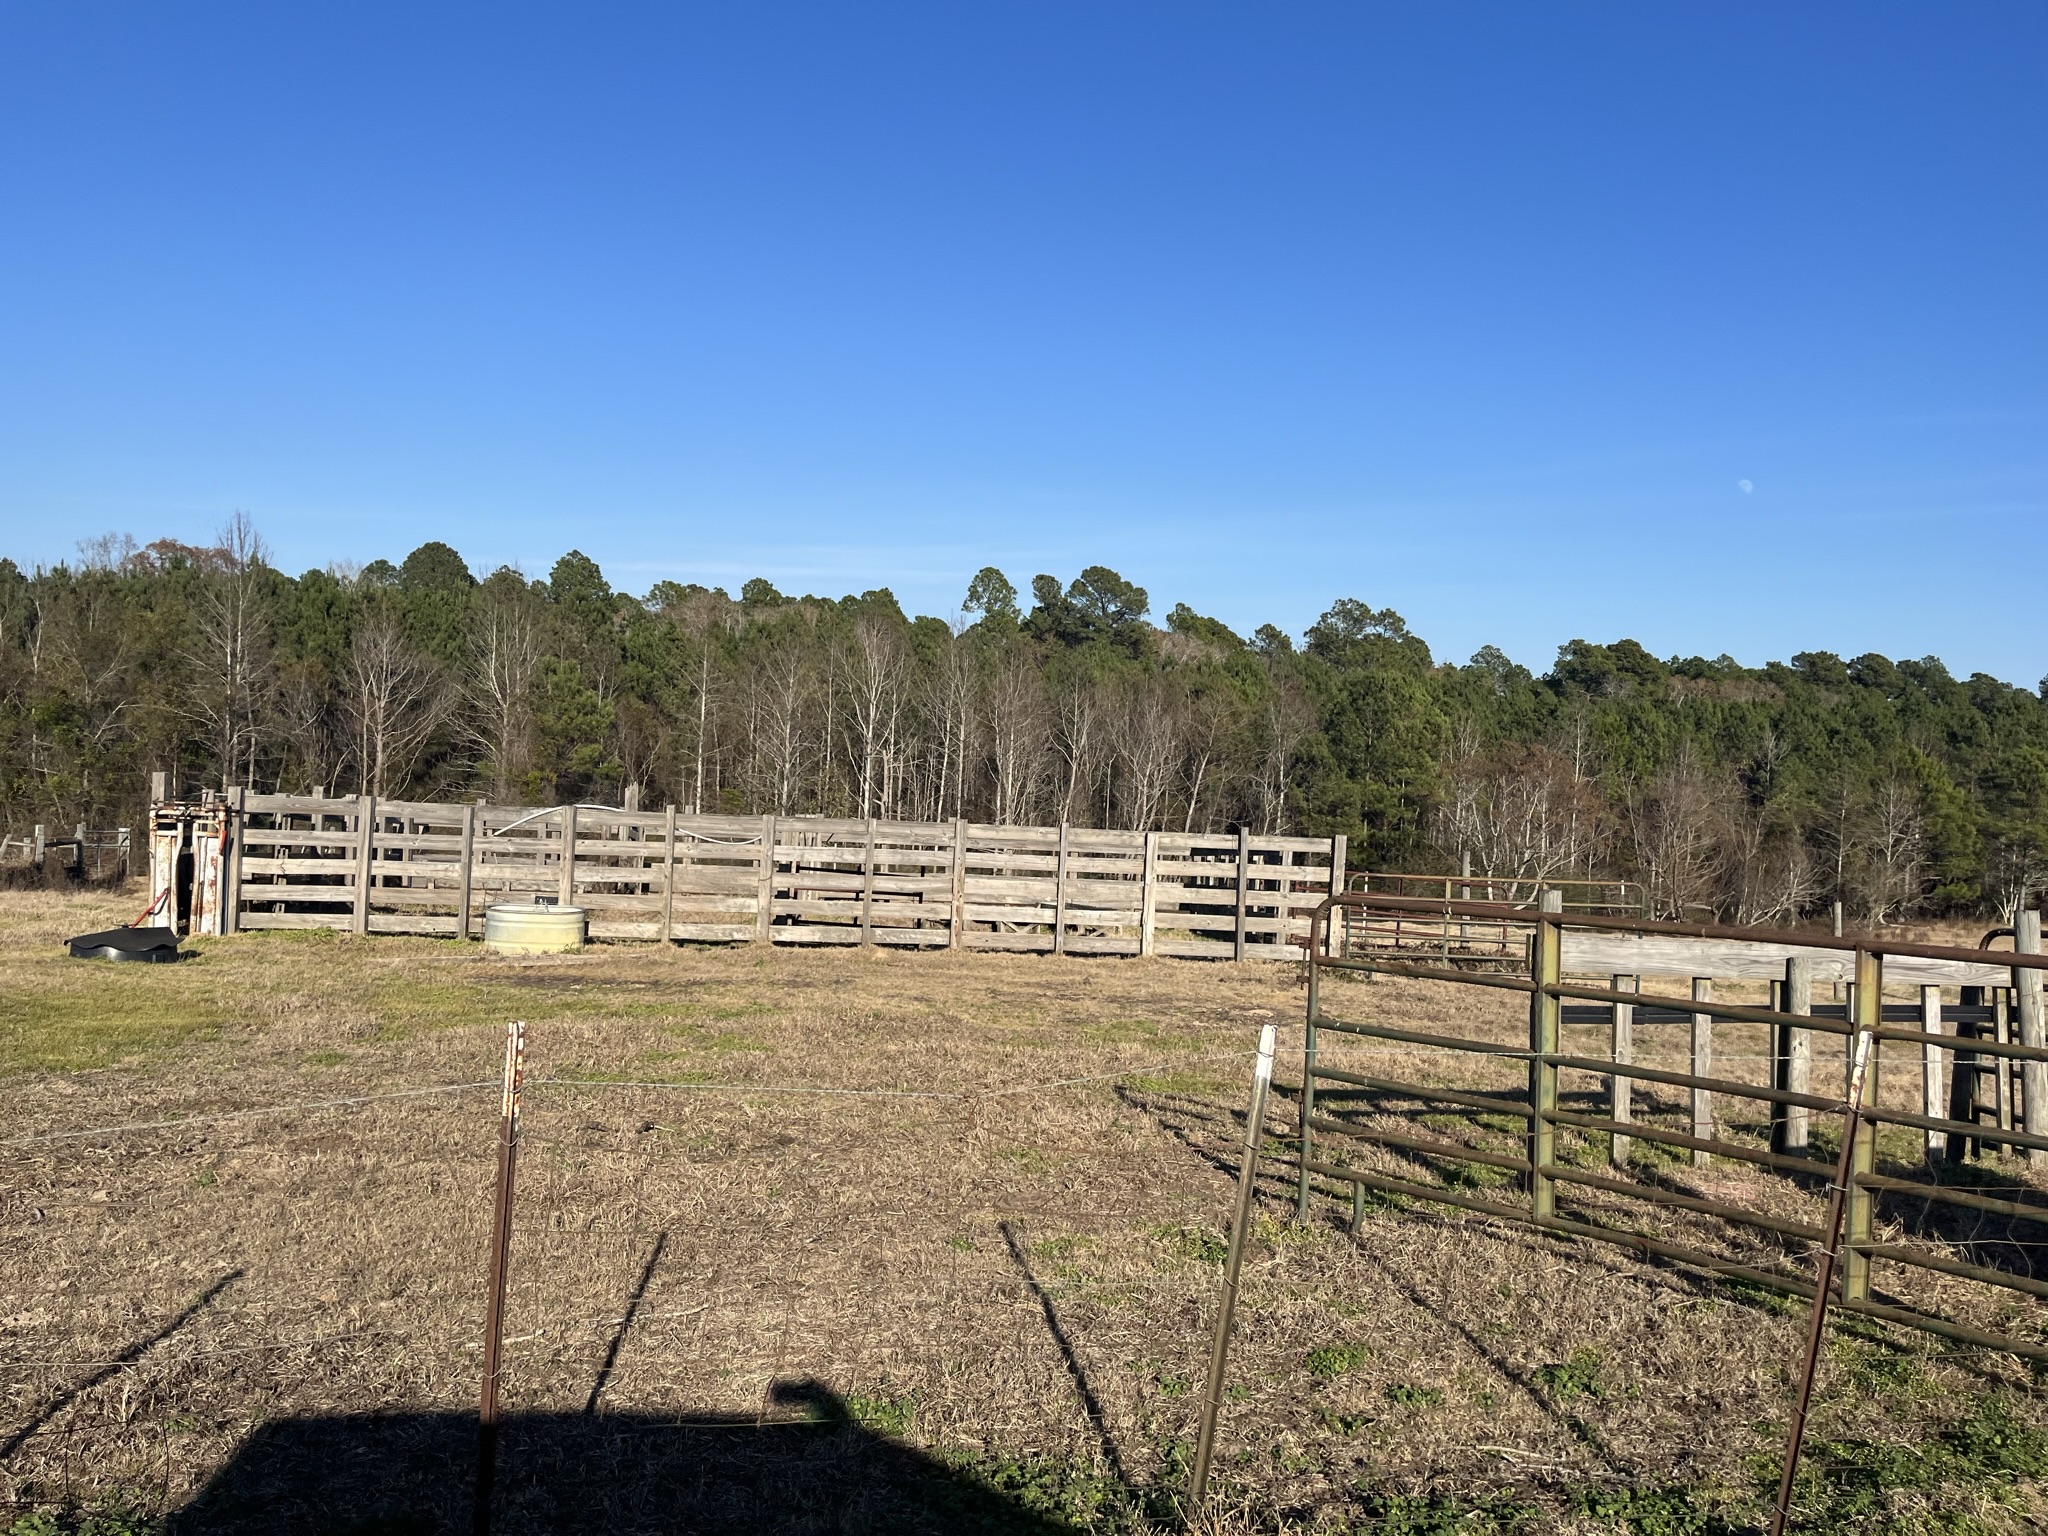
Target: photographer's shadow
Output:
[(414, 1475)]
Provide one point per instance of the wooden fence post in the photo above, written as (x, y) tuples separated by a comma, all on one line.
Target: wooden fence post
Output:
[(2001, 1066), (764, 914), (568, 887), (467, 879), (1148, 899), (2033, 1031), (366, 827), (1702, 1066), (867, 887), (1340, 851), (1059, 895), (1867, 1010), (1622, 1051), (1244, 858), (1792, 1069), (957, 931), (1546, 1017), (668, 874), (1930, 1072), (1966, 1079), (231, 862)]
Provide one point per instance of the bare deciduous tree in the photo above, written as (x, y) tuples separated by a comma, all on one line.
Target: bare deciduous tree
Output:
[(230, 650), (1147, 737), (395, 698), (1016, 713), (1672, 822), (506, 660), (1522, 812)]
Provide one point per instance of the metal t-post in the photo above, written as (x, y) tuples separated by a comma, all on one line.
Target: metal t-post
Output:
[(1838, 1199), (1307, 1102), (1546, 1015), (1226, 1309), (501, 1259)]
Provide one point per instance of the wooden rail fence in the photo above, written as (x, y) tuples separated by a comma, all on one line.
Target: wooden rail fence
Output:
[(367, 866)]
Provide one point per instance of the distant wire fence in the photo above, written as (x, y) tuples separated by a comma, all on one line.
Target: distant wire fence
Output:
[(89, 853), (512, 1084)]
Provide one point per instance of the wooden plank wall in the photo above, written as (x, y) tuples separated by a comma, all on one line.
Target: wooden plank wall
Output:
[(364, 866)]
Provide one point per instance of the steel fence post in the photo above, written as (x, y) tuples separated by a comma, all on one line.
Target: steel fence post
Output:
[(501, 1259), (1226, 1310), (1308, 1058), (1862, 1062), (1546, 955)]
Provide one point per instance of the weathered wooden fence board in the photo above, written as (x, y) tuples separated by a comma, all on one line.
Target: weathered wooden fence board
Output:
[(358, 864)]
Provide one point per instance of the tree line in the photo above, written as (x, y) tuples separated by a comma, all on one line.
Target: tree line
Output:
[(1751, 794)]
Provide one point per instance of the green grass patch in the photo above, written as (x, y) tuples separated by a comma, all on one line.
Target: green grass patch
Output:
[(1198, 1245), (882, 1412), (1405, 1396), (106, 1014), (1567, 1381), (1190, 1084), (1326, 1362)]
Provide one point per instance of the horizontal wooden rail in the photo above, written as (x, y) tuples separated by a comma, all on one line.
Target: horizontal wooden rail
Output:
[(356, 863)]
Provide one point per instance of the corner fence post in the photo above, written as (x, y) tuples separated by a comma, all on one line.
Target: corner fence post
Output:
[(501, 1259), (1546, 963), (1868, 1009), (1308, 1060), (1843, 1190), (1226, 1309)]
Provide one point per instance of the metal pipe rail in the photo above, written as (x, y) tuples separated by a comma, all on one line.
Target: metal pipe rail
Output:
[(1354, 1103)]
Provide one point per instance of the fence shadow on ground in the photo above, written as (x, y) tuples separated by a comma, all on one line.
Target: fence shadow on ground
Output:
[(413, 1475)]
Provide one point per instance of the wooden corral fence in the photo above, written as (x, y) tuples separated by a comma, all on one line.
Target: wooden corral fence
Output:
[(94, 851), (359, 864)]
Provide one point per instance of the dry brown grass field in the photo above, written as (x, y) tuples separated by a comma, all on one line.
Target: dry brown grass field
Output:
[(840, 1241)]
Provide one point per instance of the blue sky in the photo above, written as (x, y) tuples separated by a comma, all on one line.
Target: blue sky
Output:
[(1722, 327)]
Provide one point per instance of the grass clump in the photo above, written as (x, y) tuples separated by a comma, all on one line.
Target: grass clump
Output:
[(882, 1412), (1403, 1395), (1198, 1245), (1329, 1361), (82, 1523), (1569, 1380)]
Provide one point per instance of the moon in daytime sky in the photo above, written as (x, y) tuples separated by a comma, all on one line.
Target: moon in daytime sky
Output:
[(1747, 487)]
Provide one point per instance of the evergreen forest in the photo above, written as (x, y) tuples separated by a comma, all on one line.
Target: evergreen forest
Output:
[(1757, 795)]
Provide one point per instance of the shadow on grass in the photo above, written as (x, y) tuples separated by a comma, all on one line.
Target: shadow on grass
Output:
[(413, 1475)]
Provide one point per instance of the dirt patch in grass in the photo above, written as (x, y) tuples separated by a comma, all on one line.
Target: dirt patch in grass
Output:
[(888, 1312)]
